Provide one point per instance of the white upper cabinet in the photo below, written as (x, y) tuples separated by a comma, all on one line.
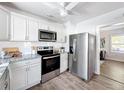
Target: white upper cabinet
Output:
[(43, 26), (61, 36), (18, 28), (32, 30), (23, 28), (51, 27), (4, 25), (58, 34)]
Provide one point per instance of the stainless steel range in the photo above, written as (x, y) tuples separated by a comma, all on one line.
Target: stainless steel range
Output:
[(50, 63)]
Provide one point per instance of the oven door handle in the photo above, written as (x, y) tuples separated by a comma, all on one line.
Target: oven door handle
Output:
[(50, 57)]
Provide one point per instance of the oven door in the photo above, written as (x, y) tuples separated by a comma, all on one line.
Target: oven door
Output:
[(50, 63)]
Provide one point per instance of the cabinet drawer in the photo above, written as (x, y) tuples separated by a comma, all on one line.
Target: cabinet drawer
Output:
[(18, 64), (35, 61)]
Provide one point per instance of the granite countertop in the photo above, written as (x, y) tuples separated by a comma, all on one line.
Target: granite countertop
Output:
[(24, 57), (5, 62)]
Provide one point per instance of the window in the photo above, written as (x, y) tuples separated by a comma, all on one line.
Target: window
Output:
[(117, 43)]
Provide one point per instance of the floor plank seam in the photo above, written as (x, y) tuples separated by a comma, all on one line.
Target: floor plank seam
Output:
[(112, 79)]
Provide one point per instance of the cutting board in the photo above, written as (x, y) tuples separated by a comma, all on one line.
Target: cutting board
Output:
[(9, 50), (13, 52)]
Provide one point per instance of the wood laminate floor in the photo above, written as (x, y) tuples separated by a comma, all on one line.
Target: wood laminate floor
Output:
[(67, 81), (113, 70)]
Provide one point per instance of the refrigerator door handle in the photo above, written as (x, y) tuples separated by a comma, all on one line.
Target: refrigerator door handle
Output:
[(74, 49)]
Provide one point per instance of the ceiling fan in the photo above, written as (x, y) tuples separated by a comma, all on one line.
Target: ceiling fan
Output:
[(66, 8)]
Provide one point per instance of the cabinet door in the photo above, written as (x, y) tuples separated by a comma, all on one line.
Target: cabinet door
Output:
[(63, 35), (58, 34), (19, 78), (4, 25), (63, 62), (32, 30), (51, 27), (34, 74), (43, 26), (18, 28)]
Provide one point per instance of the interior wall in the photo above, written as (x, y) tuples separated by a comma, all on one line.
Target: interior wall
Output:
[(25, 47), (70, 29), (92, 26), (109, 54)]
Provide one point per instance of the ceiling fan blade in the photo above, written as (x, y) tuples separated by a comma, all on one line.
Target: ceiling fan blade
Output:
[(65, 9), (73, 13), (71, 5)]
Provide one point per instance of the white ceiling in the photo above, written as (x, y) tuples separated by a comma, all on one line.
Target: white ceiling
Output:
[(51, 11)]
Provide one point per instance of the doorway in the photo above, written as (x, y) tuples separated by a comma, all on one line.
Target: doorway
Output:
[(111, 52)]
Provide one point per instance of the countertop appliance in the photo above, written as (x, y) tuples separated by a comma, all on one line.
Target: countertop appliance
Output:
[(82, 55), (45, 35), (50, 63)]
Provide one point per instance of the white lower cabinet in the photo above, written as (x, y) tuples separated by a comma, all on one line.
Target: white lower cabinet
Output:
[(26, 74), (34, 74), (63, 62), (18, 80)]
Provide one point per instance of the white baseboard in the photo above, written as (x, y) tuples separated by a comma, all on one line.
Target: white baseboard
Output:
[(115, 59)]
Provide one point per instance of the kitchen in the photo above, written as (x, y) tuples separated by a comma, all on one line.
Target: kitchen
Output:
[(24, 39), (37, 47)]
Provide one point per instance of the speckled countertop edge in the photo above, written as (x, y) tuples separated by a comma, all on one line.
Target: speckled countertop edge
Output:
[(4, 63)]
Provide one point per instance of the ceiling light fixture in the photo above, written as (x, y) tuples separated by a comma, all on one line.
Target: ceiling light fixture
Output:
[(63, 12), (62, 4)]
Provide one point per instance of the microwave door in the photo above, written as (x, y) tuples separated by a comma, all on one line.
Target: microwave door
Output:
[(47, 36)]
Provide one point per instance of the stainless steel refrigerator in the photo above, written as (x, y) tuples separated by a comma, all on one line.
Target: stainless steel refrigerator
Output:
[(82, 55)]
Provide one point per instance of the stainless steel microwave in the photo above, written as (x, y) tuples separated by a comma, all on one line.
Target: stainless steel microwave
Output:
[(45, 35)]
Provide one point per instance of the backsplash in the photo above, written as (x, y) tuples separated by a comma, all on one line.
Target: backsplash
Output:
[(25, 47)]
